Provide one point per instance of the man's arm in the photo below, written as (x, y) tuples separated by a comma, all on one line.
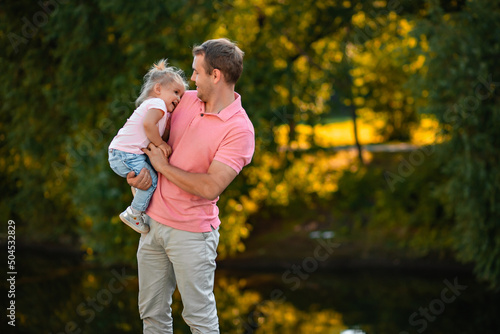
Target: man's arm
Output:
[(206, 185)]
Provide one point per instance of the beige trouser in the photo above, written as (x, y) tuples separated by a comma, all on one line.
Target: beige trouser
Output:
[(166, 257)]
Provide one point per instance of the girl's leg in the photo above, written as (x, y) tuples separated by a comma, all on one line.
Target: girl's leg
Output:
[(117, 162), (122, 163), (142, 197)]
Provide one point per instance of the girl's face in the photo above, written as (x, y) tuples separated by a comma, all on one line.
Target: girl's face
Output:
[(171, 94)]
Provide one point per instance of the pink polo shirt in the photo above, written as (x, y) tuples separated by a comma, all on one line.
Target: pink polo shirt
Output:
[(197, 139)]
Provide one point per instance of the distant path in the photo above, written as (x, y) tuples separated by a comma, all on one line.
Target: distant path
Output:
[(396, 147), (392, 148)]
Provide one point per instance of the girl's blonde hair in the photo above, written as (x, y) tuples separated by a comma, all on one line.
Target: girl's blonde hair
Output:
[(163, 74)]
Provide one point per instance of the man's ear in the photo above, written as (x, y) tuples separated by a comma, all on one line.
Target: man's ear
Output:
[(217, 75)]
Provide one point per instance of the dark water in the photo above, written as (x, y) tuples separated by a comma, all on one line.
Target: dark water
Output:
[(55, 295)]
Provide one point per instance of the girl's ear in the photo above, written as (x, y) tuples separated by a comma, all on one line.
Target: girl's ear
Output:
[(157, 88)]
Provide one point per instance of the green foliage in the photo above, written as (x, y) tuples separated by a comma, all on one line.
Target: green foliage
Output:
[(72, 71), (381, 70), (300, 57), (66, 92), (463, 84), (408, 215)]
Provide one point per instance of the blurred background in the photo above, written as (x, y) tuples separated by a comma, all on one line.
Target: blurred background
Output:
[(372, 204)]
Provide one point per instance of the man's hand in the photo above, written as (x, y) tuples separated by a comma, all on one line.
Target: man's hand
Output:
[(142, 181), (156, 156)]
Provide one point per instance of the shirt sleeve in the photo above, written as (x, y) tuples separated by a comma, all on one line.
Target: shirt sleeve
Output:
[(236, 150), (156, 104)]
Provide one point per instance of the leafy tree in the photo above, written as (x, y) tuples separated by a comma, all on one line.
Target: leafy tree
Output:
[(462, 82), (69, 84), (71, 71), (381, 70)]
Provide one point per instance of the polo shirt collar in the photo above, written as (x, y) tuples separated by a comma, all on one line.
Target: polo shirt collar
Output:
[(230, 110)]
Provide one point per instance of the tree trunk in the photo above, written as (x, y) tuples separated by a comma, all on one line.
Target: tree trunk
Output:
[(356, 139)]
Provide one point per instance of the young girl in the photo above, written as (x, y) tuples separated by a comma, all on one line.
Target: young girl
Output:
[(162, 90)]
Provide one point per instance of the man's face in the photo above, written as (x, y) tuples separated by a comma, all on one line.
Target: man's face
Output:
[(201, 78)]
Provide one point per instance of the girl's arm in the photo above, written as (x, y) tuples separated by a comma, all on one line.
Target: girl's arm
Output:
[(152, 117)]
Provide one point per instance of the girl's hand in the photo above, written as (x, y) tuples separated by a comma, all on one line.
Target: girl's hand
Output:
[(166, 149), (156, 156)]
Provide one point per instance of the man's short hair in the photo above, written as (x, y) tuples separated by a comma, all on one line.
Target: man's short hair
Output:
[(223, 55)]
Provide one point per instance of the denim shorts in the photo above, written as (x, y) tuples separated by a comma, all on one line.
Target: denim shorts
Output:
[(123, 163)]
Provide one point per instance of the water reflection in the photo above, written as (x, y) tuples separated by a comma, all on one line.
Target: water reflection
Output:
[(69, 298), (246, 311)]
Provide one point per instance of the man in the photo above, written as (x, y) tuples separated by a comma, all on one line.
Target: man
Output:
[(212, 139)]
